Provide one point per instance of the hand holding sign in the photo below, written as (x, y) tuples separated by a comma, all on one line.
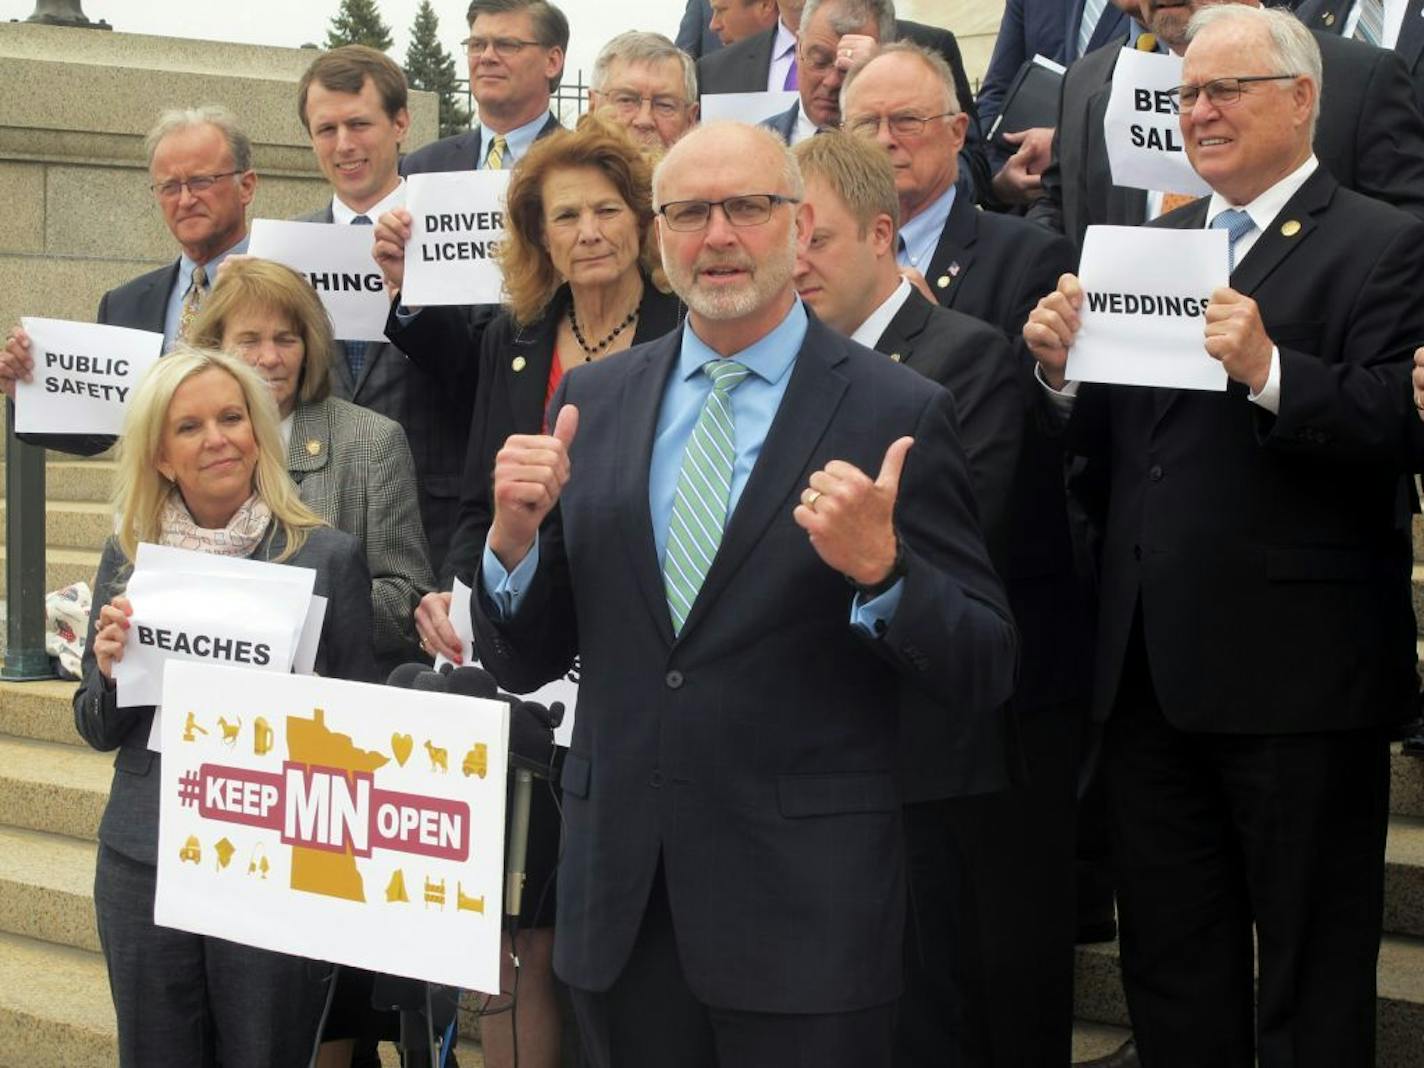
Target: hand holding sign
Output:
[(392, 233), (112, 634), (437, 633), (850, 518), (529, 474), (16, 363), (1052, 326), (1236, 336), (1418, 380)]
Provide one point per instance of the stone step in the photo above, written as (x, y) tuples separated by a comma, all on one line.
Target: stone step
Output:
[(1098, 996), (1406, 783), (55, 1009), (59, 789), (1091, 1040), (75, 479), (39, 710), (74, 524), (62, 567), (47, 887)]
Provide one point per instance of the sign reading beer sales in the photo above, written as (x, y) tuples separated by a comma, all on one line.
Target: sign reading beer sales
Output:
[(1143, 319), (456, 226), (337, 261), (84, 375), (335, 820), (1142, 129)]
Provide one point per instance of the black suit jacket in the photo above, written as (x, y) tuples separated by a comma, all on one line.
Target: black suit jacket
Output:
[(755, 753), (458, 152), (139, 304), (1265, 552), (995, 267), (1370, 136), (1328, 16), (515, 362)]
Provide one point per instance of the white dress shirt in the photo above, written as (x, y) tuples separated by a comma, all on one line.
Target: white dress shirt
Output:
[(783, 51), (868, 332), (343, 214)]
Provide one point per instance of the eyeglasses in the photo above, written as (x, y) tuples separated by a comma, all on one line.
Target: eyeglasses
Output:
[(750, 209), (628, 103), (503, 46), (1220, 92), (906, 126), (199, 183)]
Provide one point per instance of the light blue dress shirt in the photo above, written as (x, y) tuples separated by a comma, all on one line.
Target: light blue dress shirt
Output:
[(517, 141), (922, 233), (754, 406), (174, 313)]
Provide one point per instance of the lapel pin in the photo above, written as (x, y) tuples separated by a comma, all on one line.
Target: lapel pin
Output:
[(517, 363), (1329, 18), (895, 356), (942, 281), (313, 447), (1290, 228)]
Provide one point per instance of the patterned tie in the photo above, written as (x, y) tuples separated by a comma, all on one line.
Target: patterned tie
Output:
[(1173, 201), (356, 350), (704, 486), (1092, 12), (192, 301), (494, 160), (1369, 27), (1237, 225)]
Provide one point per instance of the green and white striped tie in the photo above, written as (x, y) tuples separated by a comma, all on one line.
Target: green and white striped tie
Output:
[(704, 485)]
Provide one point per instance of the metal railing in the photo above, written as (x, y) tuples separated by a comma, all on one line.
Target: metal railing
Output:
[(25, 657), (567, 102)]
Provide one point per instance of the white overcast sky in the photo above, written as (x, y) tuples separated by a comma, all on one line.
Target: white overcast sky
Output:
[(292, 23)]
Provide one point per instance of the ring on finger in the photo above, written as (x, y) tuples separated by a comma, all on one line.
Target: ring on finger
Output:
[(810, 497)]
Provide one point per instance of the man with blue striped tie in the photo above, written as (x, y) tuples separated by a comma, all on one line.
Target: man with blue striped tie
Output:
[(1255, 635), (761, 539)]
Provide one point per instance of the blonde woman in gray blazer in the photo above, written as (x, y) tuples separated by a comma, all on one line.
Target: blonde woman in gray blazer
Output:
[(352, 466)]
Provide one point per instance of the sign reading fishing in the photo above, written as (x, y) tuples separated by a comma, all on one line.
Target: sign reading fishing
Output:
[(336, 260)]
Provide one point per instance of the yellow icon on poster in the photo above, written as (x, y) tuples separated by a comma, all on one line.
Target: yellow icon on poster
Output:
[(439, 758), (224, 850), (192, 851), (191, 728), (395, 889), (476, 761), (468, 904), (230, 730), (434, 893), (261, 737), (401, 745), (257, 862)]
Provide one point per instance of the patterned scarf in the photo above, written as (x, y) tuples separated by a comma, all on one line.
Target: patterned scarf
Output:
[(239, 538)]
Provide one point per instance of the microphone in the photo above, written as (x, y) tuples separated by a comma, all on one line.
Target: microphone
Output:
[(403, 677), (474, 682), (432, 681)]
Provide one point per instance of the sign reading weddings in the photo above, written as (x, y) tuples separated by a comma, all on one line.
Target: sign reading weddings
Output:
[(335, 820)]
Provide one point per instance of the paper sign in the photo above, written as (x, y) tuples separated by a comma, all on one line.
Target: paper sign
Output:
[(457, 224), (564, 690), (337, 261), (84, 376), (304, 661), (1145, 292), (1144, 138), (746, 107), (200, 606), (335, 820)]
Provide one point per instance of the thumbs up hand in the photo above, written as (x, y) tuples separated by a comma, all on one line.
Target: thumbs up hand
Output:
[(529, 475), (850, 517)]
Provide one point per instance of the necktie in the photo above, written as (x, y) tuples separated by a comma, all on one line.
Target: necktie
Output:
[(1173, 201), (494, 159), (1369, 27), (192, 301), (1237, 225), (1147, 42), (704, 486), (790, 82), (1092, 12), (356, 350)]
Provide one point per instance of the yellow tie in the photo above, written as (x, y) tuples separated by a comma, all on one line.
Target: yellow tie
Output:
[(192, 301), (1147, 42), (1173, 201), (494, 161)]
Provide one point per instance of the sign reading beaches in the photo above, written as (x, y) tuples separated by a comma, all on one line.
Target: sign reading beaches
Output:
[(83, 378), (335, 820)]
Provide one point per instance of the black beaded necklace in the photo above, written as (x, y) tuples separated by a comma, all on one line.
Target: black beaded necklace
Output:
[(589, 352)]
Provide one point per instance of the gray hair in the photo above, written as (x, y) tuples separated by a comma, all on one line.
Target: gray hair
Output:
[(1293, 46), (851, 15), (933, 60), (790, 170), (177, 119), (639, 46)]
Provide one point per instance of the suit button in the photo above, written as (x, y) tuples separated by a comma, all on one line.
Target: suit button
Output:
[(1155, 473), (673, 680), (1137, 552), (655, 780)]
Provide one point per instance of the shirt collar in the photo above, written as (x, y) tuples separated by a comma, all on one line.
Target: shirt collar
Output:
[(210, 269), (768, 358), (517, 140), (1268, 205), (922, 233), (803, 129), (868, 332), (785, 41), (343, 214)]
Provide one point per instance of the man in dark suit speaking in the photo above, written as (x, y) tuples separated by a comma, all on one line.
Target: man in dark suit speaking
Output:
[(1255, 638), (760, 538)]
